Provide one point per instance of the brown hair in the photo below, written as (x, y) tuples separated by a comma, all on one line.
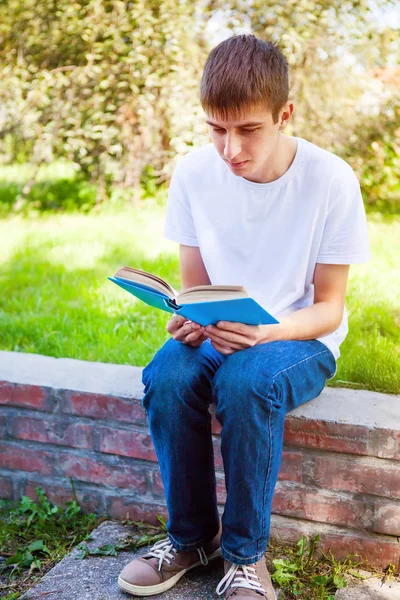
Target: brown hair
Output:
[(243, 72)]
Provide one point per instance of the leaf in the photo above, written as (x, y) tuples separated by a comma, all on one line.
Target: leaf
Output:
[(105, 550), (163, 522), (38, 545), (284, 564), (340, 582), (320, 580), (302, 544), (83, 552)]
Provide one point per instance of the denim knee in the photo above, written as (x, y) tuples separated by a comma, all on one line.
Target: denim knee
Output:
[(239, 388), (177, 374)]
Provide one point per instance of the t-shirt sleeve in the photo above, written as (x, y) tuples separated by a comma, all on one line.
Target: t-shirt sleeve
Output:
[(345, 236), (179, 226)]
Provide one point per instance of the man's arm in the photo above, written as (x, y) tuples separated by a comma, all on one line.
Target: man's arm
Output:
[(326, 314), (193, 271), (323, 317)]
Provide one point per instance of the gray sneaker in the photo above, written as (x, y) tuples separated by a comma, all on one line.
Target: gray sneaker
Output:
[(246, 582), (161, 568)]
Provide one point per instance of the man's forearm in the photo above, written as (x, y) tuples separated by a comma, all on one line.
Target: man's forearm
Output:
[(309, 323)]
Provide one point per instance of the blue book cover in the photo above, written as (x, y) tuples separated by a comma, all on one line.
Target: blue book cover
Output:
[(240, 310)]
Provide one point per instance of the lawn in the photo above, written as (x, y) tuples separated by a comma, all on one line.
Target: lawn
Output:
[(56, 299)]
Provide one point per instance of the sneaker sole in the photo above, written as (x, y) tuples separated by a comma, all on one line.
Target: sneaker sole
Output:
[(151, 590)]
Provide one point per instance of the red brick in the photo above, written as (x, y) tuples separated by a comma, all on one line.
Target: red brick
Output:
[(384, 443), (318, 505), (215, 424), (158, 487), (379, 550), (52, 431), (337, 437), (220, 488), (291, 466), (101, 406), (132, 443), (89, 500), (6, 487), (365, 476), (129, 508), (25, 459), (96, 470), (387, 518), (29, 396), (217, 453)]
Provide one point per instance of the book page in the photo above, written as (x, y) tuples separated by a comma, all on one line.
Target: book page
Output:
[(211, 293), (152, 281)]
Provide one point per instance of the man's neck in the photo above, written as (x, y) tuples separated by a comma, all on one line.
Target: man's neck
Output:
[(284, 153)]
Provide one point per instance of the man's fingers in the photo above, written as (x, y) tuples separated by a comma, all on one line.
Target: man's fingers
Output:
[(222, 349), (223, 341), (229, 338), (194, 335)]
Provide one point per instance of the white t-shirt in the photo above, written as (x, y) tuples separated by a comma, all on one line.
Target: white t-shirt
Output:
[(268, 237)]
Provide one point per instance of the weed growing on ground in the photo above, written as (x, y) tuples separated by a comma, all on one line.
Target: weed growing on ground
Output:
[(34, 536), (300, 574)]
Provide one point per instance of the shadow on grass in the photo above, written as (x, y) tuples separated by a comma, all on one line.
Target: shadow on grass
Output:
[(48, 195)]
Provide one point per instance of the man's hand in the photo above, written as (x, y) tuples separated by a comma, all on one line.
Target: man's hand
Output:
[(228, 337), (186, 331)]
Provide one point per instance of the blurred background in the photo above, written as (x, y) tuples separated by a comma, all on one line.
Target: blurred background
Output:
[(98, 98)]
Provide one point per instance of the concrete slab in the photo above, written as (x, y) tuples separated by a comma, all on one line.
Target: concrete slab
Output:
[(369, 588), (95, 578)]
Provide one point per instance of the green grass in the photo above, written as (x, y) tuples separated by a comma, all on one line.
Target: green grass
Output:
[(56, 299)]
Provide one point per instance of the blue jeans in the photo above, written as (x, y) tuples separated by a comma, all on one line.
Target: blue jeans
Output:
[(253, 389)]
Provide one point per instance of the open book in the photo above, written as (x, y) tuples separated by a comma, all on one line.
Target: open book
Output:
[(203, 304)]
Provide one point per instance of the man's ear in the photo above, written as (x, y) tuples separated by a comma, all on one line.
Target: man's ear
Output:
[(285, 114)]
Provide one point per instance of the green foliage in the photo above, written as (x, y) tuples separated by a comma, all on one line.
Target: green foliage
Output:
[(302, 575), (99, 83), (36, 535), (62, 194), (113, 86), (374, 152), (66, 190)]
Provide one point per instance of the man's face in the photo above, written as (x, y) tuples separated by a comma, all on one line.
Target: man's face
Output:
[(246, 145)]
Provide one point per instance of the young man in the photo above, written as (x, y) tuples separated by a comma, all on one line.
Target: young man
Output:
[(285, 219)]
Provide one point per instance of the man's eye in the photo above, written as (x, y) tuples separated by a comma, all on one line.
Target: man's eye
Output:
[(243, 130)]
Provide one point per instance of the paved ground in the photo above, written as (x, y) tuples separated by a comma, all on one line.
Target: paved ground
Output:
[(371, 588), (95, 578)]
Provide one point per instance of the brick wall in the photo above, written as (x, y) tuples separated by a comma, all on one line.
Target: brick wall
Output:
[(63, 420)]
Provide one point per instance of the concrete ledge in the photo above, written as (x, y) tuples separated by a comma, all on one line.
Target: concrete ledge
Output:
[(368, 409), (64, 419)]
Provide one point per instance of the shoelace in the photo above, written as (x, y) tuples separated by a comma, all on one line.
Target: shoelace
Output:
[(243, 576), (164, 550)]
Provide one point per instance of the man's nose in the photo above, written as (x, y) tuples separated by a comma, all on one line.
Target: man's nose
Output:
[(232, 147)]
